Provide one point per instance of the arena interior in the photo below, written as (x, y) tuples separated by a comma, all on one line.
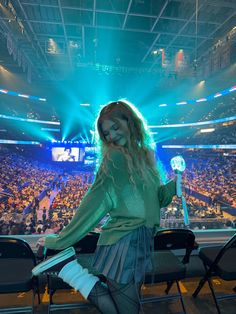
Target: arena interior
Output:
[(61, 61)]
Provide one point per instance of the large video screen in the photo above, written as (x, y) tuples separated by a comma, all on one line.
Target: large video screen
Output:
[(90, 155), (65, 154)]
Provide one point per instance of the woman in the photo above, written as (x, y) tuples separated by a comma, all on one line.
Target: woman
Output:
[(127, 186)]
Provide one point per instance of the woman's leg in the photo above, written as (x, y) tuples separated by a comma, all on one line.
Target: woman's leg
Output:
[(116, 298), (89, 286), (125, 296), (65, 265), (101, 298)]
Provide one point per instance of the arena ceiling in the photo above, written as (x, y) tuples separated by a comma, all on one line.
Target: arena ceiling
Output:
[(50, 38), (58, 44)]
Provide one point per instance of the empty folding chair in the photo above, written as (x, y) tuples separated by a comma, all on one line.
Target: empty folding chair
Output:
[(221, 262), (168, 267), (16, 263)]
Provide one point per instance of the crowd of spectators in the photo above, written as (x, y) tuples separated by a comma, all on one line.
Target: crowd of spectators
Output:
[(212, 176), (22, 180), (69, 193), (21, 183), (72, 192), (210, 192), (201, 215)]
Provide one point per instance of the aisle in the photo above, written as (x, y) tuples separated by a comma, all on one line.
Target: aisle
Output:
[(45, 203)]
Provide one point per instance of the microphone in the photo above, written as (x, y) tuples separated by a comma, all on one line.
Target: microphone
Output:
[(178, 165)]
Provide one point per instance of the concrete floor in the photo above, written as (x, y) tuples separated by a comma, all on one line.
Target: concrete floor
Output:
[(203, 304)]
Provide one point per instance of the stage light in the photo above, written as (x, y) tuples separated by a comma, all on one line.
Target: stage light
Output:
[(201, 99), (28, 120), (232, 89), (233, 146), (180, 125), (182, 103), (12, 93), (53, 47), (208, 98), (207, 130), (74, 44), (23, 95), (50, 129), (3, 68), (19, 142)]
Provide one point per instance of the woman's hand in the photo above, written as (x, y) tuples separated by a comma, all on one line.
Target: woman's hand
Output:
[(40, 248), (41, 242)]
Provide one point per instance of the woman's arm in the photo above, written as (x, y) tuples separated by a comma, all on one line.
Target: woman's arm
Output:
[(94, 206), (166, 193)]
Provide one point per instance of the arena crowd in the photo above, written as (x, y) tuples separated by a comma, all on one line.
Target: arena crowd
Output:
[(40, 198)]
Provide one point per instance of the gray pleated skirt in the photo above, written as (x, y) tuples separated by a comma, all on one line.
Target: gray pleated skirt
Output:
[(128, 259)]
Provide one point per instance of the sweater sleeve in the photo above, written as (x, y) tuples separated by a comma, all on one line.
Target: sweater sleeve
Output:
[(94, 206), (166, 193)]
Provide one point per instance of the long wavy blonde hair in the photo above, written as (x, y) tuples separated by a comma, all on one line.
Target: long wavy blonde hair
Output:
[(138, 151)]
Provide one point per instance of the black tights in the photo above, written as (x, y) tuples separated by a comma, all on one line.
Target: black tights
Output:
[(115, 298)]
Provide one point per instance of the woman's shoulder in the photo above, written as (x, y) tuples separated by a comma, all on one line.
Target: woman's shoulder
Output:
[(114, 155), (114, 160), (113, 166)]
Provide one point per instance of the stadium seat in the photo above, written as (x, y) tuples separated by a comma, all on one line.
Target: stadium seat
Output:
[(16, 263), (168, 267), (221, 262), (85, 249)]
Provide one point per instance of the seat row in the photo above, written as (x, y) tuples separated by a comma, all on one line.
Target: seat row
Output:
[(17, 259)]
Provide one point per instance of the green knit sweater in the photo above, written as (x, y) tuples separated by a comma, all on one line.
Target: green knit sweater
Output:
[(129, 206)]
